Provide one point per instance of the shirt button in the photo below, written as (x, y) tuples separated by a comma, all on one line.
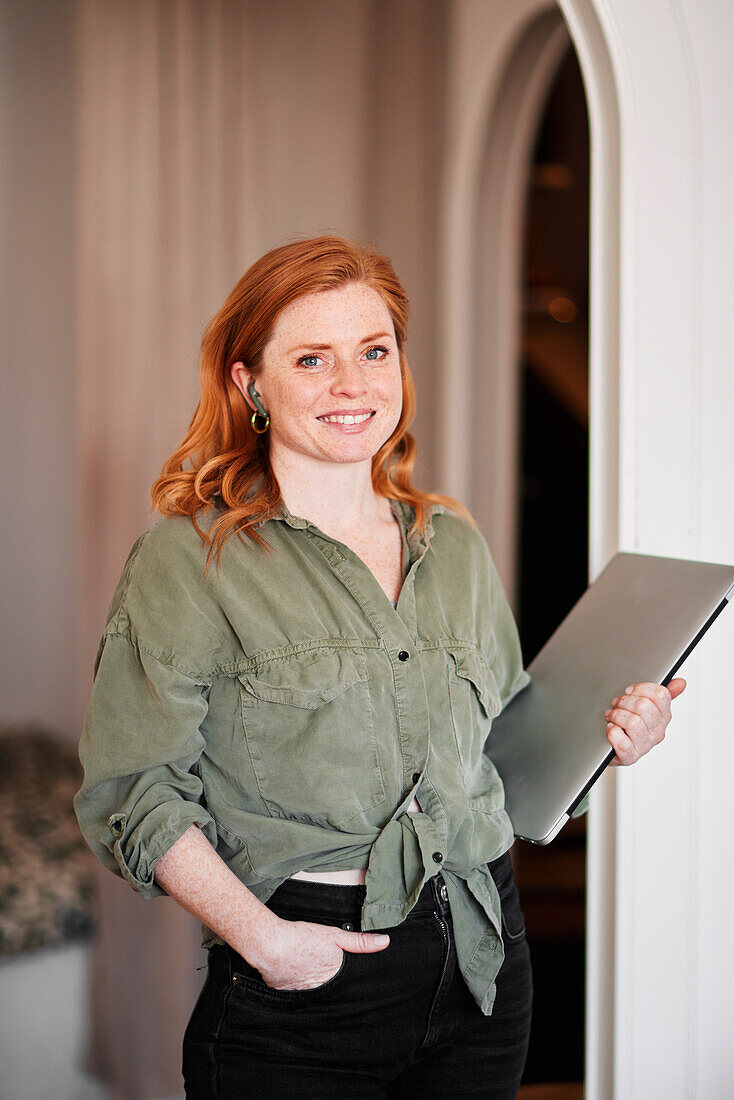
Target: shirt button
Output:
[(438, 857), (416, 776), (403, 655), (347, 926)]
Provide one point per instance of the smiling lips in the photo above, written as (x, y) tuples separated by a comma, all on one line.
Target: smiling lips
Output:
[(347, 419)]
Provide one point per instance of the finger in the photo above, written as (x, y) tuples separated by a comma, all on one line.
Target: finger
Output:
[(622, 745), (677, 686), (641, 720), (642, 733), (362, 941), (647, 708), (656, 693)]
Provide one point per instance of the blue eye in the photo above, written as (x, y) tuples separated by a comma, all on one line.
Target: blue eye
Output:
[(368, 353), (305, 360)]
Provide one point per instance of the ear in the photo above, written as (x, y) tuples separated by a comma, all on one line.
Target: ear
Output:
[(242, 378)]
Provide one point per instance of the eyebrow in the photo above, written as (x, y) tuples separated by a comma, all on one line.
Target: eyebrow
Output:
[(327, 347)]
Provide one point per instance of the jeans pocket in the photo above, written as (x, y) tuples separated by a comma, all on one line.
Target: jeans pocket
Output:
[(513, 924), (247, 977), (513, 921)]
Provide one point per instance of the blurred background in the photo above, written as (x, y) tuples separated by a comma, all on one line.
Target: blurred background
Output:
[(151, 151)]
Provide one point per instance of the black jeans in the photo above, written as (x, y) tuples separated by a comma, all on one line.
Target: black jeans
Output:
[(397, 1023)]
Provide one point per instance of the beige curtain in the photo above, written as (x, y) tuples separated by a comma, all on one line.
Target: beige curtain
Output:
[(207, 132)]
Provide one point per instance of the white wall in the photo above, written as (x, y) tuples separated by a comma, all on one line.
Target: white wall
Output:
[(673, 948), (712, 951), (44, 999)]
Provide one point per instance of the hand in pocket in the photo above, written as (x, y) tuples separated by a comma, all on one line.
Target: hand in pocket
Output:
[(301, 955)]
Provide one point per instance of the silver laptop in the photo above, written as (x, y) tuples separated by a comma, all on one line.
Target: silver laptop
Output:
[(637, 621)]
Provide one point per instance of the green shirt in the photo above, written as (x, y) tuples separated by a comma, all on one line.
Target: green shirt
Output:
[(285, 706)]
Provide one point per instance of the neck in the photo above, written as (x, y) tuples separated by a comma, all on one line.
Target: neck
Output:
[(336, 497)]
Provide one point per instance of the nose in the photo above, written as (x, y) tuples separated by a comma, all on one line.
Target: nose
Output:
[(348, 378)]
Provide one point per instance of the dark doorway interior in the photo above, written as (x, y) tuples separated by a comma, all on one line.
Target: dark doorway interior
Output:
[(553, 544)]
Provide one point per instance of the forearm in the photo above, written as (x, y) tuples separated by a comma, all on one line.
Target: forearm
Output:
[(200, 881)]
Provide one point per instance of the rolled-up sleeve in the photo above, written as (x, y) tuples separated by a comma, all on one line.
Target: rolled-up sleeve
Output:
[(139, 748)]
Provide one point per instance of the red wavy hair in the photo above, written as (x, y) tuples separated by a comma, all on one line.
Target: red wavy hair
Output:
[(229, 462)]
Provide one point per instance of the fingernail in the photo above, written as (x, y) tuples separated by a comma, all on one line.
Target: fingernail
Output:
[(607, 713), (382, 940), (628, 689)]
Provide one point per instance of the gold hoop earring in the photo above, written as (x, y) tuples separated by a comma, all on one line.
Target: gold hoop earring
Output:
[(259, 431)]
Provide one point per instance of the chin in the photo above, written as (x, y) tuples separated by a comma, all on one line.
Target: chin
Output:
[(363, 456)]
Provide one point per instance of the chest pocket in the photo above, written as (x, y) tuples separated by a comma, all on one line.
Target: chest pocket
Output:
[(309, 731), (474, 700)]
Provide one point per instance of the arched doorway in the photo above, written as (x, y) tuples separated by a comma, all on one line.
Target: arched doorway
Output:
[(529, 420)]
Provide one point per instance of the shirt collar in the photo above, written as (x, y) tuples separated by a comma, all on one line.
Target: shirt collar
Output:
[(403, 512)]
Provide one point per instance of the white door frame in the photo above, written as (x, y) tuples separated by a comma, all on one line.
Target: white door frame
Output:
[(604, 503)]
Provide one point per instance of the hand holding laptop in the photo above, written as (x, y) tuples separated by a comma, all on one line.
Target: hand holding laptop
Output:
[(643, 615), (638, 719)]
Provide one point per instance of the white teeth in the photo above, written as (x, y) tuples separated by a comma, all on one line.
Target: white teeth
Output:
[(345, 419)]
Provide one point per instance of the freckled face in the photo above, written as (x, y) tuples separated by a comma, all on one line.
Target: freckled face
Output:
[(332, 355)]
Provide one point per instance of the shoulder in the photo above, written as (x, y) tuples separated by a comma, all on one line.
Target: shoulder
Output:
[(163, 579), (172, 541), (451, 529), (461, 550)]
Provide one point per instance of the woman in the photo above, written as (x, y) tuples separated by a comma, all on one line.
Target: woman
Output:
[(291, 745)]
